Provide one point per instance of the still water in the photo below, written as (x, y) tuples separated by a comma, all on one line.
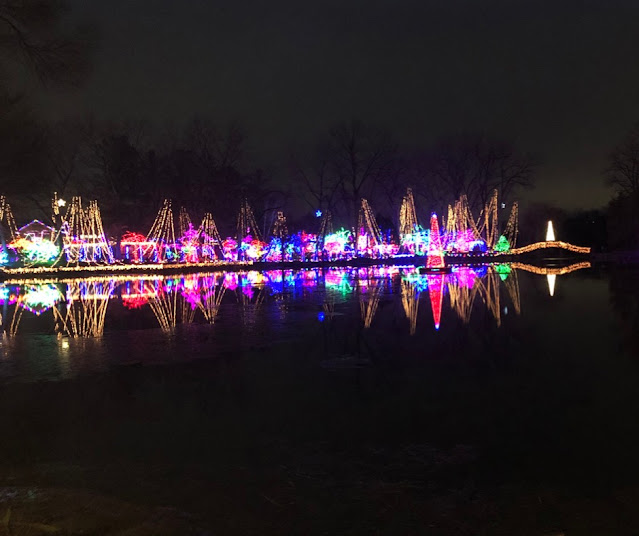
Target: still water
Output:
[(346, 317), (496, 399)]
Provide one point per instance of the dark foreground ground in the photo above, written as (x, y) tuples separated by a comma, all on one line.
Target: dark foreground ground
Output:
[(272, 441)]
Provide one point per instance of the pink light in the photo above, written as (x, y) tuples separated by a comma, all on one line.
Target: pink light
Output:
[(436, 293), (435, 251)]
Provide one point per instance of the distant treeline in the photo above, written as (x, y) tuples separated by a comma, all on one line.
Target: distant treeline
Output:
[(131, 167)]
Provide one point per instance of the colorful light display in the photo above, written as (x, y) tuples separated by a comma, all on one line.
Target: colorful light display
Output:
[(83, 241), (436, 294), (502, 245), (80, 305), (339, 245), (39, 298), (435, 251), (83, 236), (34, 244), (134, 247), (369, 236), (190, 244)]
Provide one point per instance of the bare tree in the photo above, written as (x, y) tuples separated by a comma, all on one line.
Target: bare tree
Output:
[(320, 186), (622, 172), (32, 34), (475, 166), (361, 157), (215, 149)]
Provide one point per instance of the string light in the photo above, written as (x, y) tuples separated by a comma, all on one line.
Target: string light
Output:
[(435, 250), (550, 244), (86, 248), (83, 234)]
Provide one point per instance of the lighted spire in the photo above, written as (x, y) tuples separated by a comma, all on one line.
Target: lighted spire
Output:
[(435, 250), (550, 233)]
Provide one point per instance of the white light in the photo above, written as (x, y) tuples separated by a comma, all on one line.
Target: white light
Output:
[(551, 283), (550, 233), (61, 202)]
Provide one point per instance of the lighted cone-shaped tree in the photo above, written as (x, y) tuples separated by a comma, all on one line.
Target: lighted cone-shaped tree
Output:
[(435, 257)]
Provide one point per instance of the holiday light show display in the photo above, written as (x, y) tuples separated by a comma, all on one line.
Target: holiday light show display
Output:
[(189, 244), (35, 244), (210, 239), (338, 245), (7, 222), (134, 247), (250, 245), (78, 240), (83, 236), (435, 253), (162, 236), (408, 223), (413, 238), (502, 245), (369, 236)]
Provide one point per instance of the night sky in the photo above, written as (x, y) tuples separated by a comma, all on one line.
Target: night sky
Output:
[(558, 78)]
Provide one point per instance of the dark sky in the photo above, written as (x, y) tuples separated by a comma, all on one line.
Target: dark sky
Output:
[(559, 78)]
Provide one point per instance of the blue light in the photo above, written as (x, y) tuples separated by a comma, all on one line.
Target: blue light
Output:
[(318, 213), (321, 316)]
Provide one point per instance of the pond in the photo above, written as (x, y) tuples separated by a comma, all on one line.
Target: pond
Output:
[(488, 399)]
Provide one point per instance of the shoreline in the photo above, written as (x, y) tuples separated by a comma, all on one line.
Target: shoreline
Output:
[(73, 272)]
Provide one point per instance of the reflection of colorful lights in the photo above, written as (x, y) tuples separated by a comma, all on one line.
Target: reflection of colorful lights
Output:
[(337, 279), (503, 270), (230, 280), (465, 276), (39, 298), (418, 281), (204, 292), (134, 302), (436, 293)]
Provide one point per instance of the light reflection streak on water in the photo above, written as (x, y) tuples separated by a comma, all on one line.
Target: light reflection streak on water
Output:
[(79, 307)]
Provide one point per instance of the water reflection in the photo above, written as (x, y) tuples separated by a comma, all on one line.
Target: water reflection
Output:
[(67, 327), (80, 307)]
